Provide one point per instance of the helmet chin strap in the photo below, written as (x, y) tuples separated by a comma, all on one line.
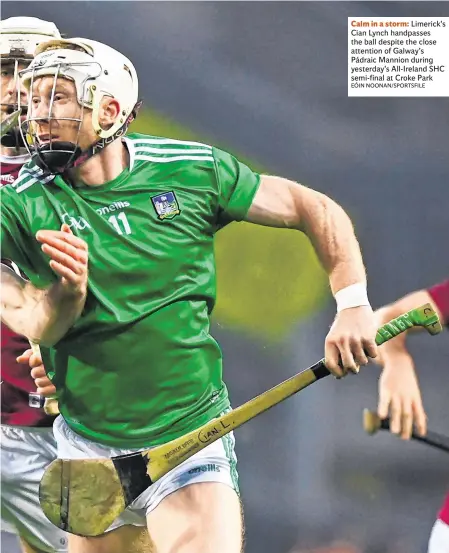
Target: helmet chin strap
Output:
[(58, 157), (55, 158)]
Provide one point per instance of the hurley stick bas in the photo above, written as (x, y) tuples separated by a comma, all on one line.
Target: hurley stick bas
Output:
[(85, 496), (372, 423)]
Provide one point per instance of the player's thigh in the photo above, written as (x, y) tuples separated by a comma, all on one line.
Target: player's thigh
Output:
[(25, 453), (125, 539), (439, 538), (205, 517)]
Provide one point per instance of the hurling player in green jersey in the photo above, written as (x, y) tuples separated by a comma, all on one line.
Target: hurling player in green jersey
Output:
[(116, 235)]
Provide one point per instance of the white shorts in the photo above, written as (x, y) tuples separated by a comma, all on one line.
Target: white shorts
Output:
[(439, 538), (215, 463), (25, 454)]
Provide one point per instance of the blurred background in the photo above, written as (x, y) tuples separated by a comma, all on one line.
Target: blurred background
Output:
[(267, 81)]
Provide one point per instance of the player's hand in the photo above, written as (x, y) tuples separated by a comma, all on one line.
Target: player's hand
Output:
[(399, 396), (351, 340), (43, 383), (68, 258)]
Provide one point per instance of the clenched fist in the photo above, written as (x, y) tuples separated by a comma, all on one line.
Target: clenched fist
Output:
[(351, 340)]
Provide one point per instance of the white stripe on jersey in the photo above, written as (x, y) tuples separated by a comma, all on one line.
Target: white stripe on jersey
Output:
[(27, 180), (163, 151), (138, 149), (33, 171), (23, 175), (26, 185), (29, 171), (27, 177), (147, 157), (171, 141)]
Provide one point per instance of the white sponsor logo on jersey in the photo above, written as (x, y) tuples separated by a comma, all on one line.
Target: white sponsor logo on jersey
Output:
[(79, 223), (116, 206)]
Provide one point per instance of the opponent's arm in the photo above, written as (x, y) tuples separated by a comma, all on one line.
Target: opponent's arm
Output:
[(45, 315), (285, 204), (399, 393)]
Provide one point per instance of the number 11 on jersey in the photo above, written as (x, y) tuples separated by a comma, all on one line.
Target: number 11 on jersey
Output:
[(115, 221)]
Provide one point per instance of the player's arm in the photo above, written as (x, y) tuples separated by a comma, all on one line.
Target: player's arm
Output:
[(18, 297), (282, 203), (45, 315), (399, 393)]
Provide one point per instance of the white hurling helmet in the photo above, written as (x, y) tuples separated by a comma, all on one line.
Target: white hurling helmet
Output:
[(19, 38), (96, 70)]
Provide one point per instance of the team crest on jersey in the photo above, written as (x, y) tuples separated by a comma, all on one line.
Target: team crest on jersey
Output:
[(166, 205)]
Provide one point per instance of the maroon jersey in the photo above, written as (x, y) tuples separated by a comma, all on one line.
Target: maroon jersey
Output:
[(444, 511), (16, 379), (440, 295), (10, 167)]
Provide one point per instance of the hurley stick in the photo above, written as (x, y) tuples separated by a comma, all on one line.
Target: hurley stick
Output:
[(85, 496)]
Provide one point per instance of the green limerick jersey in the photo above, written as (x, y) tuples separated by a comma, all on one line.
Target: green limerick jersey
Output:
[(139, 368)]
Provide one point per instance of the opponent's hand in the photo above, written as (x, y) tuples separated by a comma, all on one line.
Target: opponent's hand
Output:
[(43, 383), (399, 396), (350, 341), (68, 258)]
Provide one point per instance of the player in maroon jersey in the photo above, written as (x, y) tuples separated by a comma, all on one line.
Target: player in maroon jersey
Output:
[(27, 442), (399, 391)]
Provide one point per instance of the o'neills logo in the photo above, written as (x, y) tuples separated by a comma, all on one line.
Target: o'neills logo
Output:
[(116, 206), (207, 435)]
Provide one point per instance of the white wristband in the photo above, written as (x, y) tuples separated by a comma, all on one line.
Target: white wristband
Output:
[(354, 295)]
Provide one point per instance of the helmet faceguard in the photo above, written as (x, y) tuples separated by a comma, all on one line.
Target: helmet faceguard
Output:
[(11, 136), (96, 71), (19, 38)]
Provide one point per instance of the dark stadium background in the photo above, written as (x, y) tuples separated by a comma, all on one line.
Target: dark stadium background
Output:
[(268, 82)]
